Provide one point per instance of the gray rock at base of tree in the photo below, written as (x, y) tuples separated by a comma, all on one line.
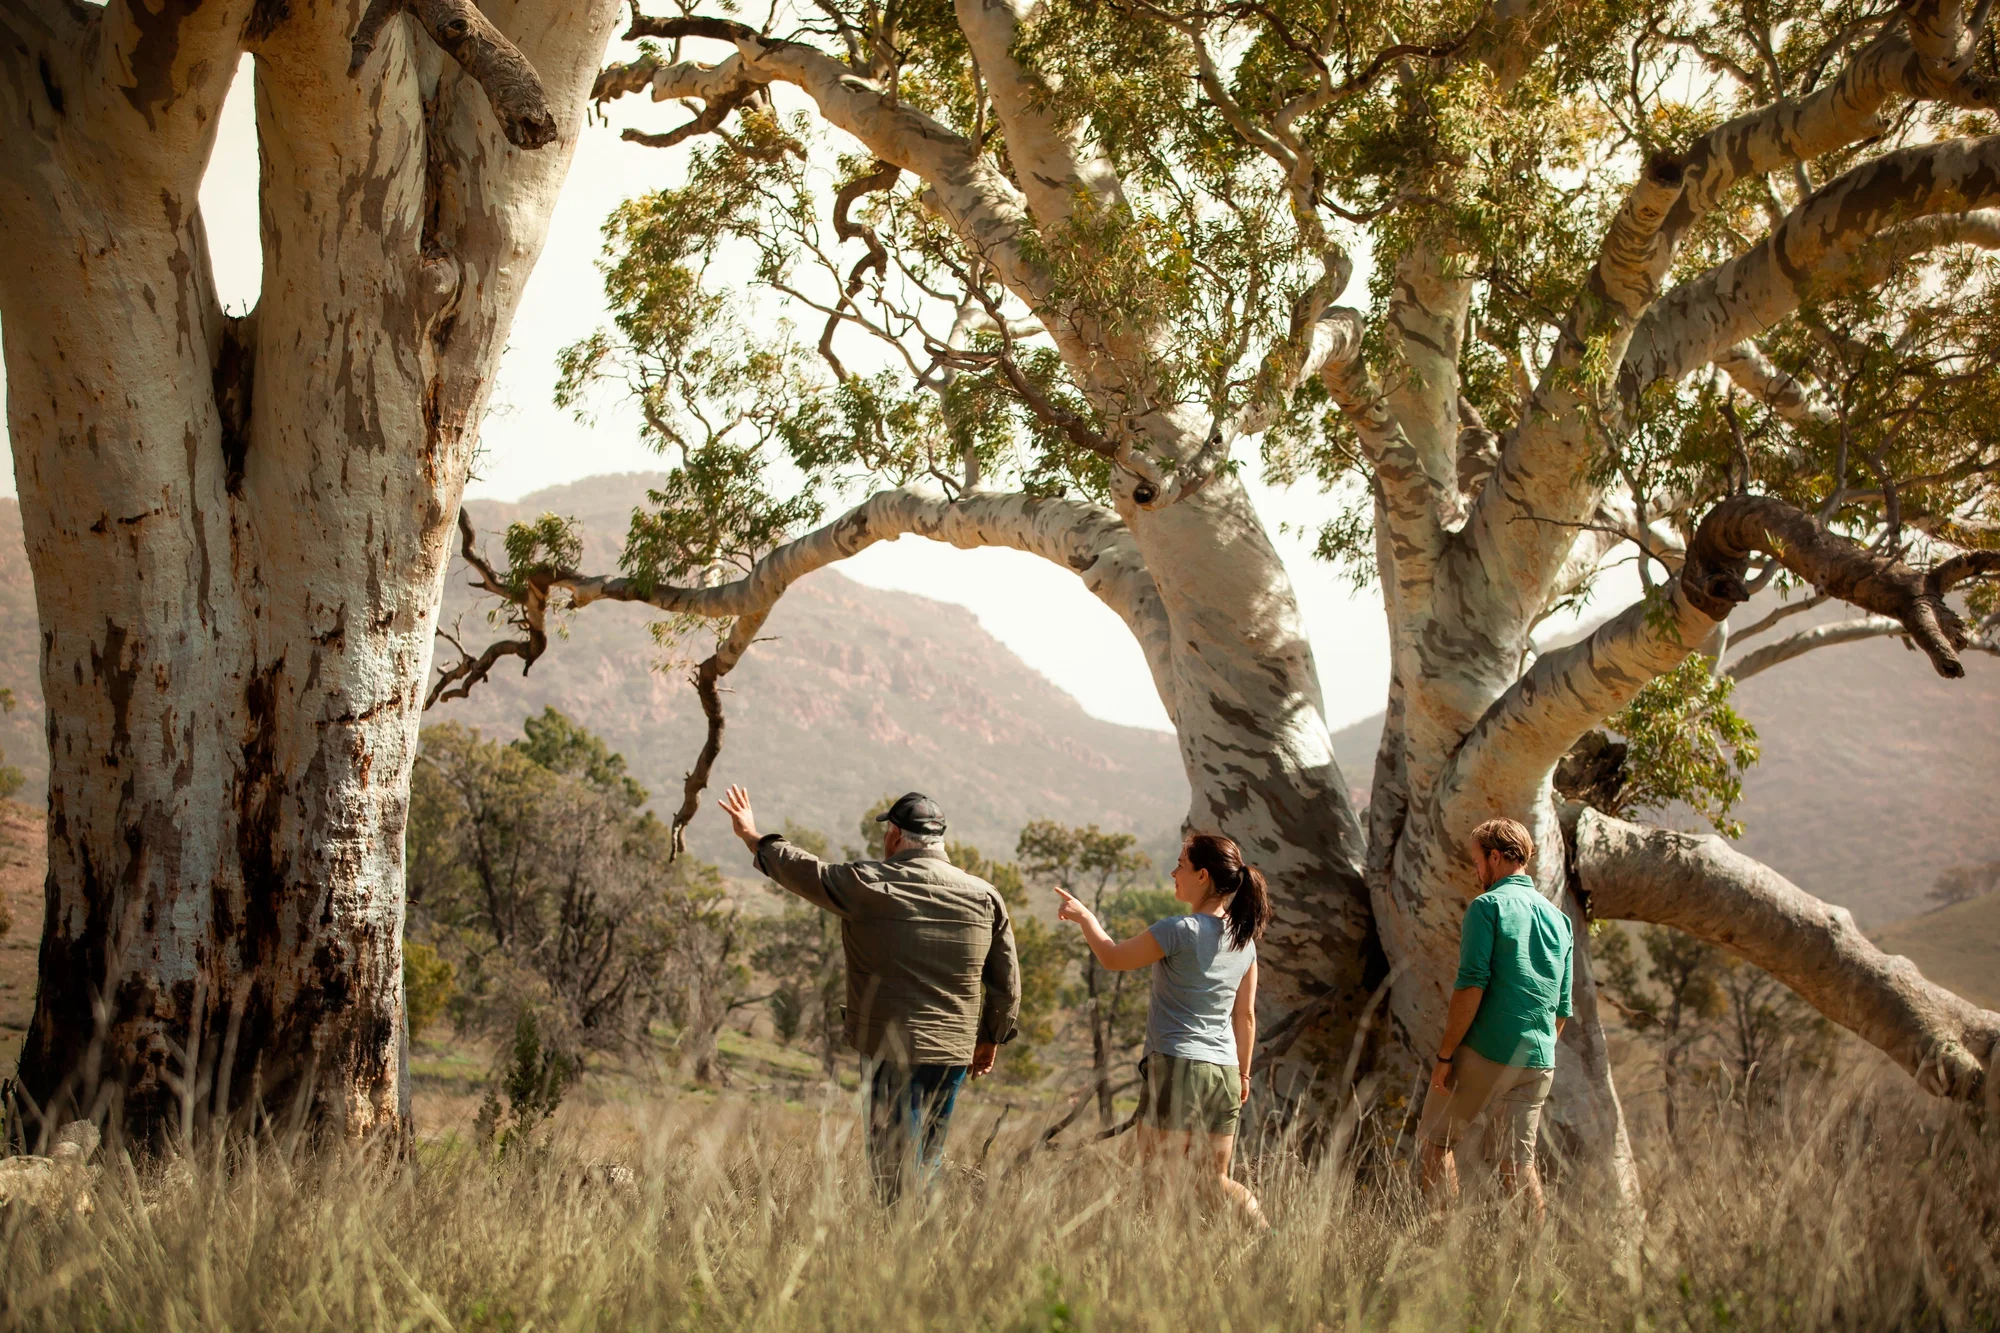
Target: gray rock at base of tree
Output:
[(62, 1178)]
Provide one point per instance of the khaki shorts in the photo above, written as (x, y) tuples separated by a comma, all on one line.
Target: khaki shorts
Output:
[(1513, 1094), (1181, 1094)]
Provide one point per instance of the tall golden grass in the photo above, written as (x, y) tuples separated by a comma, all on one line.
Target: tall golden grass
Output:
[(1848, 1208)]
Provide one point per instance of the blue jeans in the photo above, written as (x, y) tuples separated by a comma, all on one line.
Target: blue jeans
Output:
[(909, 1114)]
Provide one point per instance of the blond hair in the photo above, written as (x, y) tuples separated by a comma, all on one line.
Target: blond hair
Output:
[(1505, 837)]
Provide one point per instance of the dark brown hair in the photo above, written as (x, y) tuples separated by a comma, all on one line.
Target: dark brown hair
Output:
[(1505, 837), (1249, 908)]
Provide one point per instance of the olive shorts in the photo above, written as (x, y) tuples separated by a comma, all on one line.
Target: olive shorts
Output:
[(1512, 1093), (1181, 1094)]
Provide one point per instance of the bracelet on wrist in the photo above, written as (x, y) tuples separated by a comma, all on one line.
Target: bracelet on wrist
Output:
[(1444, 1059)]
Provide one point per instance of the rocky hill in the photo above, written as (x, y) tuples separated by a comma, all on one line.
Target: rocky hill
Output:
[(853, 693)]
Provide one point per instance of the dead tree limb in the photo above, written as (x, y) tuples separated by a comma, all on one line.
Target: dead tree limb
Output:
[(1714, 578), (527, 614), (706, 684)]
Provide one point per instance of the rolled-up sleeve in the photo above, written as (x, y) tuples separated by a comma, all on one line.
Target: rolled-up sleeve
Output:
[(1000, 979), (1475, 946), (831, 887)]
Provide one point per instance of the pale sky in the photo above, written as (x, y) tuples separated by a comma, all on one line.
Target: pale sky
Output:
[(1038, 610)]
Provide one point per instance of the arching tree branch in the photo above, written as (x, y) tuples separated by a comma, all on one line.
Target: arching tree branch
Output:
[(1843, 111), (1852, 231), (1705, 888), (1718, 560), (1089, 541)]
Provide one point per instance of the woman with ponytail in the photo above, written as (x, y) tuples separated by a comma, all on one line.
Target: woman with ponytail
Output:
[(1201, 1029)]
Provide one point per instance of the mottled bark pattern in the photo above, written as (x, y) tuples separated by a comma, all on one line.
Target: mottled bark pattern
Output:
[(238, 526), (1478, 535)]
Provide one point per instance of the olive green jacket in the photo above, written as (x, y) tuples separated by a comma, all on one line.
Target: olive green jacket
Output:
[(930, 951)]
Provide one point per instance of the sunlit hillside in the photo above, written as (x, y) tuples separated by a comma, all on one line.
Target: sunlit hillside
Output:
[(1958, 946)]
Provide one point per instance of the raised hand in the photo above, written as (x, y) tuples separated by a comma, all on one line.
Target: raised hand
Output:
[(736, 804)]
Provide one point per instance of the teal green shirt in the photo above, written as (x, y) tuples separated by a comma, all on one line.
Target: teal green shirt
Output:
[(1515, 946)]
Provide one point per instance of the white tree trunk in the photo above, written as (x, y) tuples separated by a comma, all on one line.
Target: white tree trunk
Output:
[(1244, 693), (238, 529)]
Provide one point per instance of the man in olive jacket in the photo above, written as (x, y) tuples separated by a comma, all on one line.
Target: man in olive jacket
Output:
[(933, 986)]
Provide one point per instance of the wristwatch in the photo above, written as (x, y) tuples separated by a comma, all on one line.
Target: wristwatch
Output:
[(1444, 1059)]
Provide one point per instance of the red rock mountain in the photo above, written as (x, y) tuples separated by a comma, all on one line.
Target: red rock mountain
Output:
[(853, 694)]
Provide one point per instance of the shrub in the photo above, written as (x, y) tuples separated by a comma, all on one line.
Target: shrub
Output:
[(429, 983)]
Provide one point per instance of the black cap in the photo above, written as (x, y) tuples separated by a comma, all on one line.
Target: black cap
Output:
[(914, 813)]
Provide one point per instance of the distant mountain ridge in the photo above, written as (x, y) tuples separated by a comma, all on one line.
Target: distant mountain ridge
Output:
[(1876, 775), (852, 693)]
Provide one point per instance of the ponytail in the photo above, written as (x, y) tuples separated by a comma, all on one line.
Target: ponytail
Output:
[(1248, 910)]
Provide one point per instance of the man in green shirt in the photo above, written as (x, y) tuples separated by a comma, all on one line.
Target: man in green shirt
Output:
[(1508, 1006)]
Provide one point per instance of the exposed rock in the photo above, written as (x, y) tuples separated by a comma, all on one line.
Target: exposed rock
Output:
[(63, 1178)]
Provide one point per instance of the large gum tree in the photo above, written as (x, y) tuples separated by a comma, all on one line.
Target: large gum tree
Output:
[(238, 526), (1651, 282)]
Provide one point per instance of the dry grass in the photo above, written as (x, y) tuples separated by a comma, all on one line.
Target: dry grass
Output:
[(1871, 1210)]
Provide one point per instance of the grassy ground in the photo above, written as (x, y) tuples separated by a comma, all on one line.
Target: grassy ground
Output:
[(1860, 1205), (1851, 1210)]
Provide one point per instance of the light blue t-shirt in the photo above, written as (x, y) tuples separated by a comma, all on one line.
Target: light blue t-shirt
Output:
[(1194, 989)]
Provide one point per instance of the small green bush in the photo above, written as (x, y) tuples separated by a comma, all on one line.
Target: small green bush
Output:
[(429, 983)]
